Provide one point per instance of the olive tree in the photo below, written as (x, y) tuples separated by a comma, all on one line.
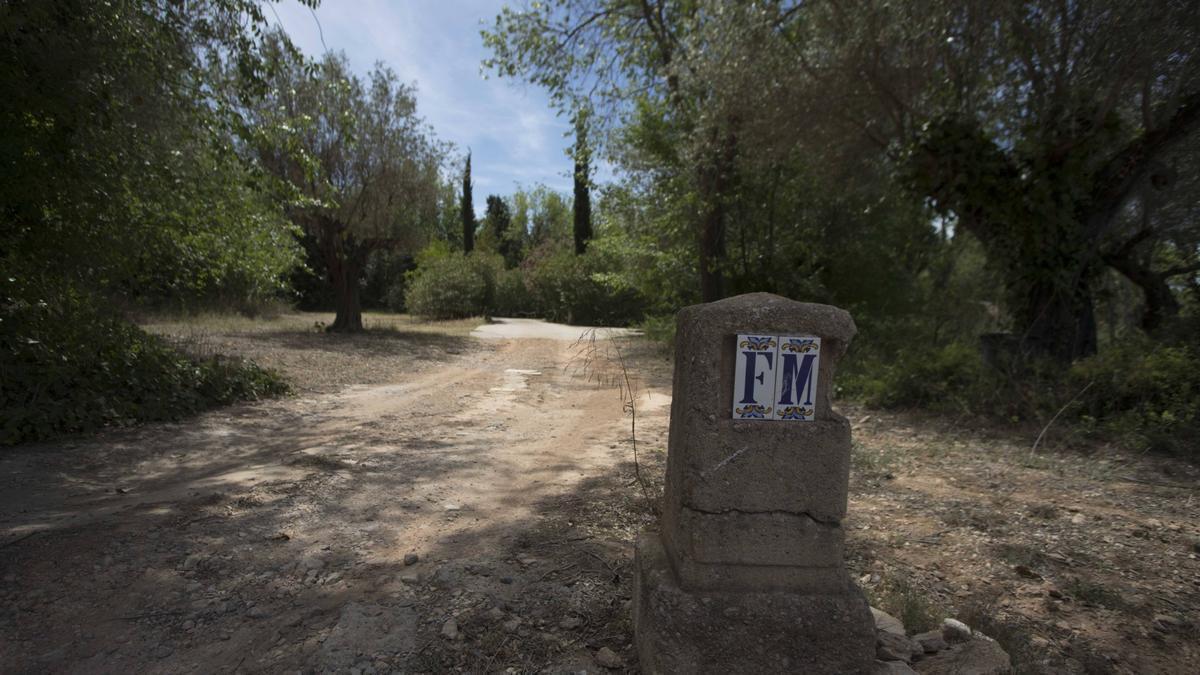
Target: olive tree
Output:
[(364, 169)]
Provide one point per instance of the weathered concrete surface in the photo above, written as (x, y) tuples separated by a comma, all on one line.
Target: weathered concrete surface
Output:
[(758, 632), (747, 572)]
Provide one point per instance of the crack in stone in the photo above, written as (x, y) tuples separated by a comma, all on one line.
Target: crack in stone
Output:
[(704, 474), (834, 522)]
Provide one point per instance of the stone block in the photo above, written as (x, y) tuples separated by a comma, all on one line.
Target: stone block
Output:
[(759, 466), (683, 631), (774, 538)]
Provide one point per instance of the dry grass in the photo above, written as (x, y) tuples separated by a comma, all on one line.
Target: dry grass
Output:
[(301, 322), (393, 347)]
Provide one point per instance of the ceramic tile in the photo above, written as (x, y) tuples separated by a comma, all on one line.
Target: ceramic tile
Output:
[(796, 370), (754, 377)]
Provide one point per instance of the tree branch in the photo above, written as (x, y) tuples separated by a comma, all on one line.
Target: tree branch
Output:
[(1121, 173)]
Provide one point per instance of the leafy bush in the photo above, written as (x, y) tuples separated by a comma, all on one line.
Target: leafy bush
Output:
[(661, 329), (448, 285), (935, 377), (583, 289), (512, 296), (1145, 394), (553, 283), (66, 365)]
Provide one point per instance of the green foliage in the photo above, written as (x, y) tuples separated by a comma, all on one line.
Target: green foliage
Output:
[(908, 603), (552, 283), (451, 285), (361, 172), (661, 329), (498, 233), (466, 209), (1145, 394), (588, 289), (512, 296), (116, 141), (67, 365), (922, 376)]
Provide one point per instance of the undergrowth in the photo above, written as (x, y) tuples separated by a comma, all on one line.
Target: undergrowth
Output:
[(69, 364)]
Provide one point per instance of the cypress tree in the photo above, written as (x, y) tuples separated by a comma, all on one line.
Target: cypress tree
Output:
[(583, 196), (468, 209)]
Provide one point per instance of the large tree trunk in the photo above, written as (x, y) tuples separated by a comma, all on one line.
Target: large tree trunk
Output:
[(1048, 290), (344, 262), (345, 293), (715, 183), (1058, 323)]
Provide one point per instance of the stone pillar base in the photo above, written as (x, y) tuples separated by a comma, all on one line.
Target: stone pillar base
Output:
[(680, 631)]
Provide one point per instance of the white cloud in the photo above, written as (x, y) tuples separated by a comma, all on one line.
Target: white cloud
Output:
[(513, 133)]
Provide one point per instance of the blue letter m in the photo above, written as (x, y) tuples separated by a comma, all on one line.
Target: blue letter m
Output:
[(798, 376)]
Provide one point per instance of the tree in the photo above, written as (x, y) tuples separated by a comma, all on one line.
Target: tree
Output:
[(1032, 126), (626, 58), (467, 209), (497, 223), (364, 168), (582, 212), (116, 143)]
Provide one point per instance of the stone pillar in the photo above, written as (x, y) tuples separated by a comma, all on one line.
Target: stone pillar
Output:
[(747, 573)]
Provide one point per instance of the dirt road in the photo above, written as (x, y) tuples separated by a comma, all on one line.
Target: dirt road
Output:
[(426, 523), (273, 537)]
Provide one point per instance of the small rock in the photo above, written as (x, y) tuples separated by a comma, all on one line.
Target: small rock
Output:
[(887, 622), (495, 614), (258, 613), (189, 624), (193, 561), (955, 631), (512, 625), (892, 668), (451, 507), (608, 658), (410, 579), (506, 580), (570, 623), (411, 559), (450, 629), (1078, 519), (932, 641), (313, 564), (974, 657), (1027, 573), (163, 651), (1055, 593), (892, 647)]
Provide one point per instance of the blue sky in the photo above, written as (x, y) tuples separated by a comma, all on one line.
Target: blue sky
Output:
[(515, 137)]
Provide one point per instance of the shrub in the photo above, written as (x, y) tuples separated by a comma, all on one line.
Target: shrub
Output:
[(660, 329), (68, 365), (583, 289), (1145, 394), (935, 377), (447, 285), (512, 296)]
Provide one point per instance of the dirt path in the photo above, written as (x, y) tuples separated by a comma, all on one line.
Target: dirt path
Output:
[(274, 536)]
